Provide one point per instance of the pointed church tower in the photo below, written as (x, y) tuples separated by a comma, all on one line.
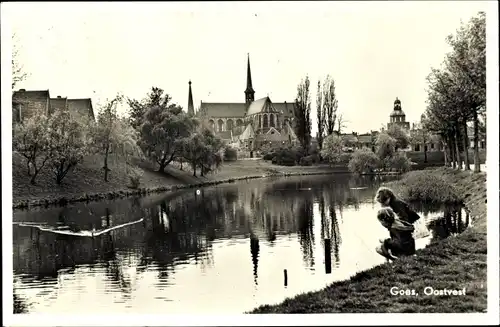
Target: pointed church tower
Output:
[(190, 101), (249, 92)]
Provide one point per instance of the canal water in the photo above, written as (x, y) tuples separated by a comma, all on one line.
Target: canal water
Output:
[(215, 250)]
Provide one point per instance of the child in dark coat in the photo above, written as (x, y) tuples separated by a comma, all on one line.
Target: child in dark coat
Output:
[(401, 241)]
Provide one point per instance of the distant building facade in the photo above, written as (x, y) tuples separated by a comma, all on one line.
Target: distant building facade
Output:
[(249, 124), (26, 104)]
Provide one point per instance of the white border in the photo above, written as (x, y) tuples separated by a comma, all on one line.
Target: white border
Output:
[(492, 317)]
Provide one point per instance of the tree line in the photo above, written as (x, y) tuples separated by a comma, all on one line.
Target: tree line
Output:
[(156, 129), (457, 93)]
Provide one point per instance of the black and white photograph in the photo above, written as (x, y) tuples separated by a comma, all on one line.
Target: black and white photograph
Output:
[(248, 163)]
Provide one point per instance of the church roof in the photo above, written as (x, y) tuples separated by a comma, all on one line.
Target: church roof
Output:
[(288, 130), (273, 135), (58, 104), (81, 106), (365, 138), (257, 106), (248, 133), (285, 107), (22, 94), (223, 110), (395, 113)]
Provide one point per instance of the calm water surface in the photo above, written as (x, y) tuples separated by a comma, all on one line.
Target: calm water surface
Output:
[(216, 250)]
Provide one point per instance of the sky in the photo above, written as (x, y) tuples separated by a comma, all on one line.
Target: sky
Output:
[(375, 51)]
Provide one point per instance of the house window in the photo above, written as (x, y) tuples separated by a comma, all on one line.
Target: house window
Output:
[(432, 146), (417, 147)]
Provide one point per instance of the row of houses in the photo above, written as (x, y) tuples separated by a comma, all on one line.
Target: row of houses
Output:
[(26, 104)]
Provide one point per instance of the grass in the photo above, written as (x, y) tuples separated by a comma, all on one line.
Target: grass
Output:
[(454, 263)]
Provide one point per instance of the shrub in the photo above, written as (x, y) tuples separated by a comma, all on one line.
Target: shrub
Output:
[(306, 161), (315, 158), (425, 186), (268, 156), (363, 161), (400, 162), (285, 157), (134, 176), (230, 154)]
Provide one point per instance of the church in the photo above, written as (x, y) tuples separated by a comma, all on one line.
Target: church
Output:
[(250, 124)]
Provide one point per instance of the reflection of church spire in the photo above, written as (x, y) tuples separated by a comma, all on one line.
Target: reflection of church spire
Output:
[(254, 250), (190, 101), (249, 92)]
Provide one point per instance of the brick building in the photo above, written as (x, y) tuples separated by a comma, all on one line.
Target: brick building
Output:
[(26, 104)]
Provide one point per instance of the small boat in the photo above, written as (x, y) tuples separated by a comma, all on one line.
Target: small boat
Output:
[(66, 230)]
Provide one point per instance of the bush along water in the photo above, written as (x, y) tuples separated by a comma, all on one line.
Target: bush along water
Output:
[(426, 186)]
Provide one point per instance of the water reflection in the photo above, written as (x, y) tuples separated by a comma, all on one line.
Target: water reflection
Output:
[(190, 252)]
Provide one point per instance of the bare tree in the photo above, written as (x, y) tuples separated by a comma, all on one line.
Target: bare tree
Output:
[(18, 73), (341, 123)]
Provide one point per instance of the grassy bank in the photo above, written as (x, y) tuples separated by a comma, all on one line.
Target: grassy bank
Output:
[(454, 263), (86, 182)]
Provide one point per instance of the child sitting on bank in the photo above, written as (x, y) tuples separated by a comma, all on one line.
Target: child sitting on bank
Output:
[(401, 241)]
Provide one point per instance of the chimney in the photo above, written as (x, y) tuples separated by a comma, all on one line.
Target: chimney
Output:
[(22, 90)]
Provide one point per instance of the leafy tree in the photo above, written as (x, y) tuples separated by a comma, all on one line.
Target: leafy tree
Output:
[(162, 130), (420, 135), (332, 148), (106, 133), (363, 161), (401, 137), (213, 152), (320, 117), (467, 63), (457, 92), (31, 140), (385, 146), (156, 97), (302, 114), (68, 143), (203, 150), (330, 104)]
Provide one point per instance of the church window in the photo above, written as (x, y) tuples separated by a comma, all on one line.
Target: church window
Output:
[(220, 124), (212, 124), (239, 122), (229, 124), (265, 121), (271, 120)]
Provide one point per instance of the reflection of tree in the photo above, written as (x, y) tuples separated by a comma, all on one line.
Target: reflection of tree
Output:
[(114, 266), (20, 305), (306, 235), (451, 223), (330, 227), (337, 239), (254, 250)]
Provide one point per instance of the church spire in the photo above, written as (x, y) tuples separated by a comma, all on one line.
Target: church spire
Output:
[(190, 101), (249, 92)]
